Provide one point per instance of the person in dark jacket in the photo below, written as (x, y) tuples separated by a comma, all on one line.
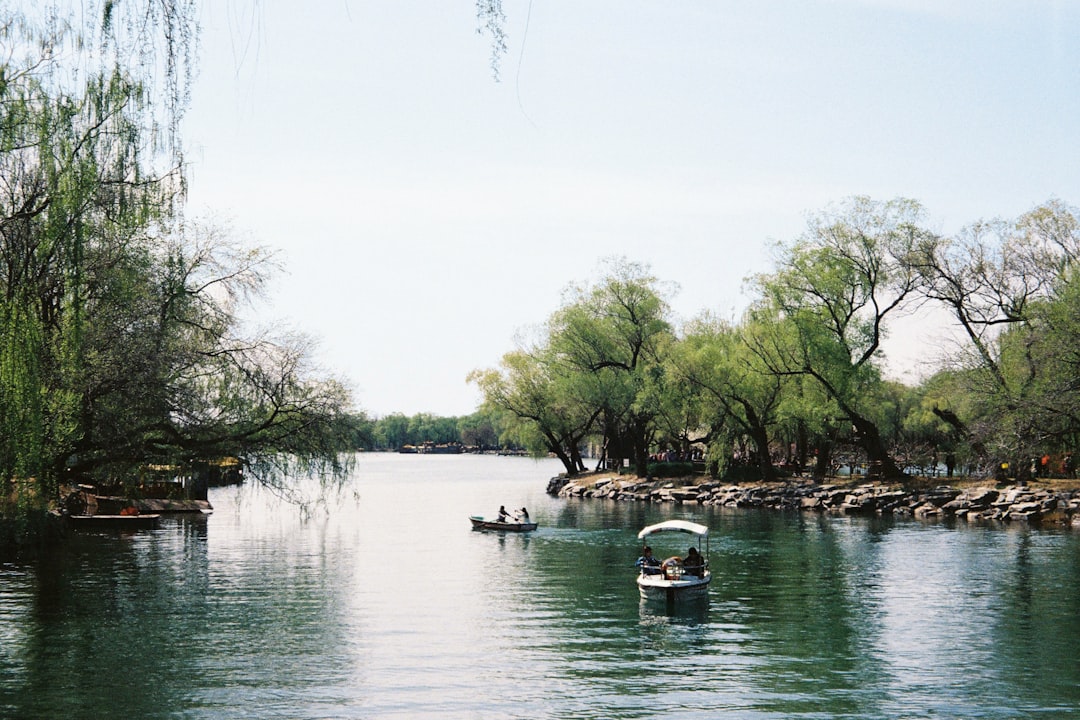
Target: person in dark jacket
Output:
[(648, 564)]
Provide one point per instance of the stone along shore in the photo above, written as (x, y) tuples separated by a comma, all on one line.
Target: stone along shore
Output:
[(1035, 504)]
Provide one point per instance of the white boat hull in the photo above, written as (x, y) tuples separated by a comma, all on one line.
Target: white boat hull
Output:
[(687, 587)]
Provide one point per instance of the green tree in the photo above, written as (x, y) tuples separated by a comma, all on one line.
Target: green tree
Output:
[(611, 336), (167, 376), (392, 431), (1053, 346), (360, 431), (931, 425), (743, 394), (120, 337), (833, 291), (683, 415), (429, 428), (481, 429), (552, 419), (1010, 287), (80, 180)]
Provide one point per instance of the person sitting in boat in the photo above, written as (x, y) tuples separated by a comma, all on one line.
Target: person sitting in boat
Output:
[(648, 564), (694, 564), (523, 516), (503, 515)]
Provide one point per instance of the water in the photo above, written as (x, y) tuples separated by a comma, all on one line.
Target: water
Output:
[(388, 606)]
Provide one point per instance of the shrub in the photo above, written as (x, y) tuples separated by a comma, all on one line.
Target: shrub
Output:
[(670, 469)]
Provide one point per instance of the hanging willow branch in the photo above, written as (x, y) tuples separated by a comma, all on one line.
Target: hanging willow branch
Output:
[(492, 19)]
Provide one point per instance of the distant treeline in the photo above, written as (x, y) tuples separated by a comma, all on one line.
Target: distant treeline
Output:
[(484, 431)]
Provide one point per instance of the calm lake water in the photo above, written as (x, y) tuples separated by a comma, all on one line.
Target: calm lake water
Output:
[(387, 605)]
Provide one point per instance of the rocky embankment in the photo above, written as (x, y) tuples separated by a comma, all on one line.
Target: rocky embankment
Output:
[(1044, 505)]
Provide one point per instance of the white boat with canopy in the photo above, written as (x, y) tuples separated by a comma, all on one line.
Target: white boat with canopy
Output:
[(676, 578)]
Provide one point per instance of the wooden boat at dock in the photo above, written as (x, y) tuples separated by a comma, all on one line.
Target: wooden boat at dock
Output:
[(114, 522)]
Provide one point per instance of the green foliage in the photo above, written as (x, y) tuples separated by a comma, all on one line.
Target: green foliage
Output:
[(670, 469), (1011, 288), (482, 430), (74, 183), (539, 403), (595, 374), (800, 377), (119, 324), (829, 302), (742, 395)]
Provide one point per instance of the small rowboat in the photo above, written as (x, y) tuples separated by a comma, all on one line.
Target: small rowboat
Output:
[(479, 523)]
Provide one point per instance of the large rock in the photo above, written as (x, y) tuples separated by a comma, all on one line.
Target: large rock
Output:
[(556, 484), (688, 494), (980, 497), (1025, 511)]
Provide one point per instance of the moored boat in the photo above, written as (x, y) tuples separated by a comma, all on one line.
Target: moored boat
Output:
[(676, 578), (114, 522), (479, 523)]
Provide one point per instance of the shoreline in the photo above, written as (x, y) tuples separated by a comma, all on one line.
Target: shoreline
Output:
[(1043, 502)]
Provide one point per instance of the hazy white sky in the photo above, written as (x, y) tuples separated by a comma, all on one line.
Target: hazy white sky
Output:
[(425, 212)]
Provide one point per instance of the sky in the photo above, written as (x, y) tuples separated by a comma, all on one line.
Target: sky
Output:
[(426, 214)]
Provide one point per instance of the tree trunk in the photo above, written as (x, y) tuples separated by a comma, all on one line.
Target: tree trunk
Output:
[(882, 465), (555, 446), (961, 429), (639, 442), (824, 461), (760, 435), (802, 443), (641, 462), (575, 457), (603, 457)]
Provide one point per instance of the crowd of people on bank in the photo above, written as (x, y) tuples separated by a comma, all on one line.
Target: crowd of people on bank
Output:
[(671, 455), (1041, 466)]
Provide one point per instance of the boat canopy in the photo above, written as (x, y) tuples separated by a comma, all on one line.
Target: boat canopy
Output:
[(675, 526)]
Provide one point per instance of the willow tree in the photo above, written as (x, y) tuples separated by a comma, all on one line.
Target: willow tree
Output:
[(611, 335), (743, 395), (90, 102), (685, 419), (168, 375), (120, 340), (835, 289), (551, 417), (1051, 346), (589, 371), (1010, 287)]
